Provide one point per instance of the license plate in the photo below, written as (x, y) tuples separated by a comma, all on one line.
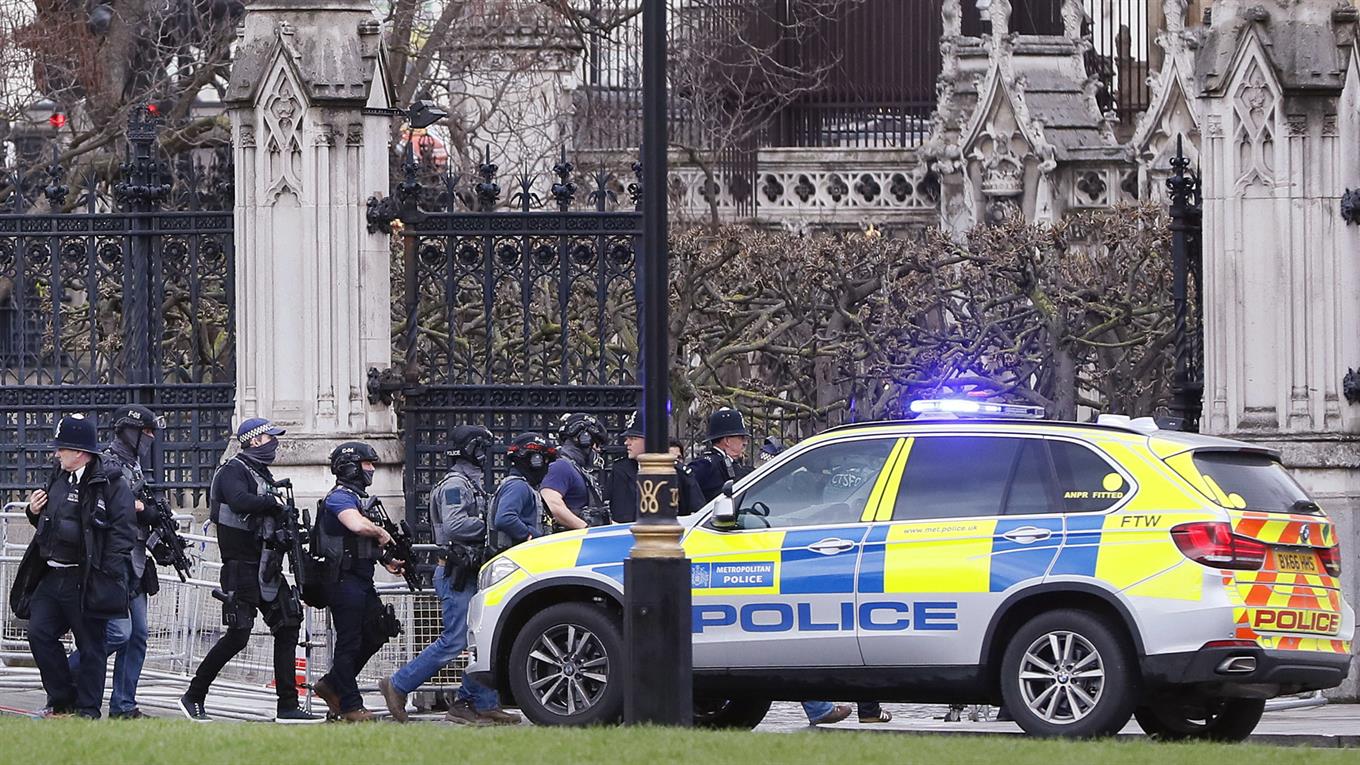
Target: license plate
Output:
[(1296, 562)]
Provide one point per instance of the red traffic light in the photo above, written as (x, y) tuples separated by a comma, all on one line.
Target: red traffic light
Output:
[(153, 109), (57, 120)]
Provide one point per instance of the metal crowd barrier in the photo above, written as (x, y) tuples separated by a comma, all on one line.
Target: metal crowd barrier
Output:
[(184, 621)]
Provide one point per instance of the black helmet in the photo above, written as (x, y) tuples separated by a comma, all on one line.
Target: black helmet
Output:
[(346, 459), (470, 442), (77, 432), (530, 451), (582, 429), (726, 422), (139, 417), (633, 427)]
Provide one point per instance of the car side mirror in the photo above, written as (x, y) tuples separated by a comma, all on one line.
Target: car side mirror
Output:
[(724, 511), (727, 489)]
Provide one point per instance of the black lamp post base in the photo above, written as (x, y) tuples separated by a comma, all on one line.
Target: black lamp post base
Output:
[(658, 651)]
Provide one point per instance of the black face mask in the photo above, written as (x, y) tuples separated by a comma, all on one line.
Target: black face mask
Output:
[(535, 476), (368, 478), (264, 453)]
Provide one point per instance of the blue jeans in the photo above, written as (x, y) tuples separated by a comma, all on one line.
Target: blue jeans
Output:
[(125, 640), (445, 648), (816, 710)]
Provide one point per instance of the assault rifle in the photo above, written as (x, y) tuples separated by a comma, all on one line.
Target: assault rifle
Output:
[(290, 532), (400, 548), (165, 544)]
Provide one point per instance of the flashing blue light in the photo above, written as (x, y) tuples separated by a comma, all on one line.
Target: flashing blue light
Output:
[(953, 406)]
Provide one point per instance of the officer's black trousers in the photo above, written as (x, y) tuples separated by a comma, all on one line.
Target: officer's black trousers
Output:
[(355, 610), (56, 608), (240, 579)]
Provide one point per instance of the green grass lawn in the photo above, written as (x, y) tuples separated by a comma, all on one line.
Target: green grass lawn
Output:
[(180, 742)]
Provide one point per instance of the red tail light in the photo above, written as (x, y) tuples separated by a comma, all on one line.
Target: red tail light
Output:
[(1331, 559), (1214, 545)]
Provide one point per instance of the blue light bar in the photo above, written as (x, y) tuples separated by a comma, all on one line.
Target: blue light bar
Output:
[(965, 407)]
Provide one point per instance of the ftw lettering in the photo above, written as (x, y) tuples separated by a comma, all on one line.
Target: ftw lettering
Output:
[(1135, 521), (877, 616), (1316, 622)]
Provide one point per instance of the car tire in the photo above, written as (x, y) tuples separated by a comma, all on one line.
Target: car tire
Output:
[(1216, 720), (565, 666), (730, 714), (1069, 674)]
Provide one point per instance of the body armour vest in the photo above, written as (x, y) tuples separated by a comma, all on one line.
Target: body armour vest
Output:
[(470, 501), (221, 513), (64, 542), (341, 550)]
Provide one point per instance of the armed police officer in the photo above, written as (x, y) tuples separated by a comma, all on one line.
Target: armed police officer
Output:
[(517, 509), (570, 489), (242, 497), (721, 461), (458, 505), (351, 543), (74, 574), (134, 435), (624, 495)]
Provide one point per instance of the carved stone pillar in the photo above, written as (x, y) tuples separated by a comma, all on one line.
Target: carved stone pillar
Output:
[(1278, 108), (312, 293)]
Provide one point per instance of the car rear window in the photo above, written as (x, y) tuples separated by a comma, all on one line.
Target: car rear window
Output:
[(1249, 481)]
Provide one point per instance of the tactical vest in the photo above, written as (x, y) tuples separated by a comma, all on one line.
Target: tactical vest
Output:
[(221, 513), (594, 498), (135, 481), (438, 508), (341, 551), (64, 541)]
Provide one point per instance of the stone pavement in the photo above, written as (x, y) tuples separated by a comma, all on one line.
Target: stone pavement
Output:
[(1331, 725)]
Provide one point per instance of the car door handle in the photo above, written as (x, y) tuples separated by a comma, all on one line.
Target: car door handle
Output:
[(832, 546), (1028, 535)]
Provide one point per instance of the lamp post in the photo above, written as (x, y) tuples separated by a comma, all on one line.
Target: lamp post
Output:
[(658, 651)]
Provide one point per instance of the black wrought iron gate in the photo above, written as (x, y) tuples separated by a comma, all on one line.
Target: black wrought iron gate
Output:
[(511, 318), (127, 295)]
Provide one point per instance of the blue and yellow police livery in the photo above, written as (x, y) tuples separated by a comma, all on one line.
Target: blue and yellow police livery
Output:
[(1079, 573)]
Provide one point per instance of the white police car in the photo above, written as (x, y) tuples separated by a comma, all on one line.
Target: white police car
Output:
[(1079, 573)]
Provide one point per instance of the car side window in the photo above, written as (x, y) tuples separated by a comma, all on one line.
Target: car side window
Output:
[(827, 484), (968, 476), (1087, 483)]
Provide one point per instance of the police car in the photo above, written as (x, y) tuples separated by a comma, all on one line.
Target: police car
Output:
[(1079, 573)]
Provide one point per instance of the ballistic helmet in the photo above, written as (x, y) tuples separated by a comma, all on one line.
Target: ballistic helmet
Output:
[(347, 459), (582, 429), (470, 442)]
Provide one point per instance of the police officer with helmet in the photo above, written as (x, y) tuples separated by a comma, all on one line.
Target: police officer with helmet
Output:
[(351, 544), (721, 461), (570, 489), (73, 576), (517, 509), (240, 500), (458, 506), (134, 434)]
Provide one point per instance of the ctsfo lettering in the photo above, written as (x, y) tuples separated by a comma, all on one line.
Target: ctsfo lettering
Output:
[(875, 616)]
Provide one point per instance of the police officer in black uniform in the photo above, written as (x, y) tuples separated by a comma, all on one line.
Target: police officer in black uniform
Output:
[(721, 461), (241, 500), (624, 495), (74, 575), (351, 544), (570, 489), (134, 434)]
